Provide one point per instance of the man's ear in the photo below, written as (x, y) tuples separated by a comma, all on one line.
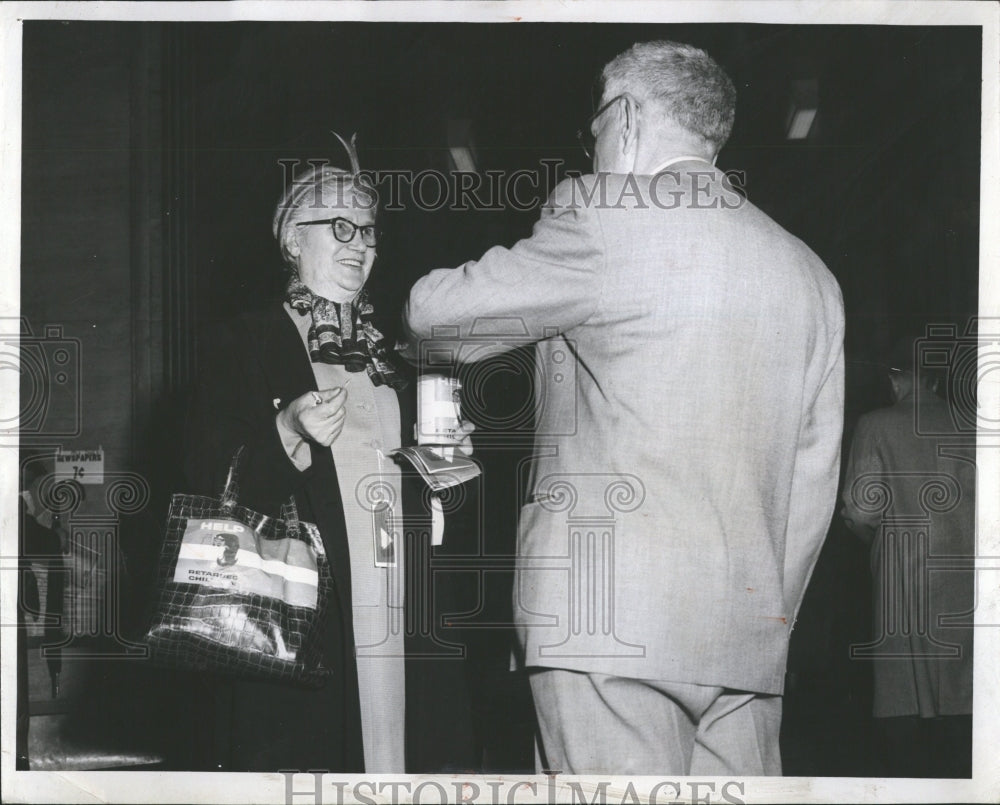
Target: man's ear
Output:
[(630, 125)]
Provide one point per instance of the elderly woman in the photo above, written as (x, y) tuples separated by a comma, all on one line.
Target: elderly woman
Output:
[(309, 389)]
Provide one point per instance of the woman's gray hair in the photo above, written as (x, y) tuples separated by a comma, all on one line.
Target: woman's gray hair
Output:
[(321, 187), (682, 80)]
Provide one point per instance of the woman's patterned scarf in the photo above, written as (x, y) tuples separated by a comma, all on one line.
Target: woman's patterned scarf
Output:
[(342, 333)]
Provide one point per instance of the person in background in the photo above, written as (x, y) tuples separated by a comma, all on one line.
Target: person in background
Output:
[(308, 388), (913, 502), (44, 548), (690, 356)]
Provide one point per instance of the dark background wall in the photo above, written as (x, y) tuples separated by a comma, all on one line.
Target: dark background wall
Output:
[(130, 127), (152, 161), (89, 166)]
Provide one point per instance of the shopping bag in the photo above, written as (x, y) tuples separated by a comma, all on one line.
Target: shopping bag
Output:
[(239, 592)]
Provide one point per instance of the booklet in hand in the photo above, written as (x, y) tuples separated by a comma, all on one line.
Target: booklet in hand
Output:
[(438, 466)]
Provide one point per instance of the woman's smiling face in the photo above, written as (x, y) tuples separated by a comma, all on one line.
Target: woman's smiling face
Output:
[(329, 268)]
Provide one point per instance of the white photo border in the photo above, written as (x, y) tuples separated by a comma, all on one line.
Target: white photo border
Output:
[(171, 787)]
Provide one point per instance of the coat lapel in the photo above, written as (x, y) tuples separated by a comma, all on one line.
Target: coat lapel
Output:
[(288, 374), (284, 359)]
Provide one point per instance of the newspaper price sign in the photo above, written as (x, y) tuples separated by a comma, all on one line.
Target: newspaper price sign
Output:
[(85, 466)]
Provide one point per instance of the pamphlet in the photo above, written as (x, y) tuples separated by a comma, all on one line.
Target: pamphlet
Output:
[(438, 466)]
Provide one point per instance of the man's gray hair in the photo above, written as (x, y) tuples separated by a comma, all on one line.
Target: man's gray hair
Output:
[(682, 80)]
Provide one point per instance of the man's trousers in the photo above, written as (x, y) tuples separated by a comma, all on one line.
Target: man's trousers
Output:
[(599, 724)]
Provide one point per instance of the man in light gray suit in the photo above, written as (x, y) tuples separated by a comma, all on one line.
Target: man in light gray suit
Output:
[(689, 413)]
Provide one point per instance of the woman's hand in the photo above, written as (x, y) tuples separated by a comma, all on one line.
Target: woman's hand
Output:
[(317, 415)]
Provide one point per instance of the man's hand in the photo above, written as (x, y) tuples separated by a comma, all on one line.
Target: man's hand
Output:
[(460, 439), (861, 529), (463, 437), (317, 416)]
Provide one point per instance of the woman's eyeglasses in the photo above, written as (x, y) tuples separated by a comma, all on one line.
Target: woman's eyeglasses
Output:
[(343, 230)]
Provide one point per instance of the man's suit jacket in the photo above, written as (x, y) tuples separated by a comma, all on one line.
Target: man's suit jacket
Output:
[(689, 405)]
